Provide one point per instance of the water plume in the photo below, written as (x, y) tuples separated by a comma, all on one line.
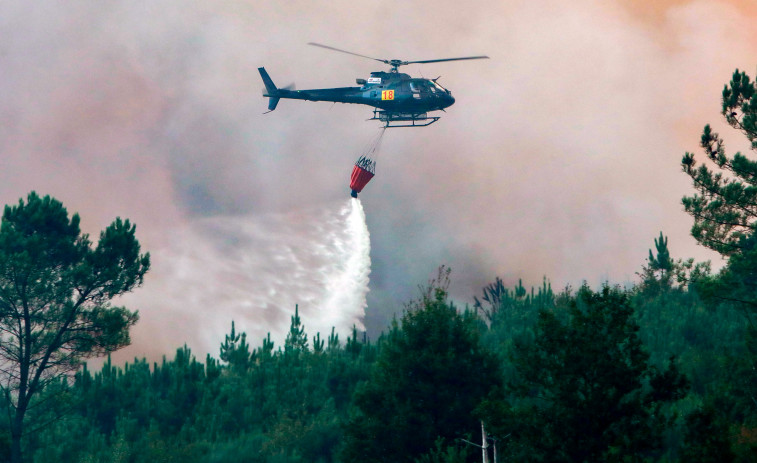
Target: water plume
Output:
[(254, 270)]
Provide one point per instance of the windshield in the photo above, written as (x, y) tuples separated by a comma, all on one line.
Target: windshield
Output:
[(439, 87), (426, 85)]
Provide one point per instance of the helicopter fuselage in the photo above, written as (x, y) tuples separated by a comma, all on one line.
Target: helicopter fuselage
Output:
[(397, 94)]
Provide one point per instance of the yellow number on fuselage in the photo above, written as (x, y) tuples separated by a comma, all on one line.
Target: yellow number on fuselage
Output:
[(387, 94)]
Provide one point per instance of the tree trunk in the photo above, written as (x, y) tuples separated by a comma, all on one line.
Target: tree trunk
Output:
[(17, 430)]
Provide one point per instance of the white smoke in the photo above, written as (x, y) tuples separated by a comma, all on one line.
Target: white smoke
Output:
[(254, 270)]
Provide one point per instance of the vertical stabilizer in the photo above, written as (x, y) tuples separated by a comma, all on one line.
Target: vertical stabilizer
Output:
[(270, 90)]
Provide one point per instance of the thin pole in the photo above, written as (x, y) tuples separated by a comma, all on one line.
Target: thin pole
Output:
[(485, 444)]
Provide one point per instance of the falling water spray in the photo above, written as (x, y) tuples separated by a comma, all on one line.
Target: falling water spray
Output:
[(347, 283), (253, 270)]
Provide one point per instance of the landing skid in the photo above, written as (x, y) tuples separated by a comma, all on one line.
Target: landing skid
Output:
[(410, 119)]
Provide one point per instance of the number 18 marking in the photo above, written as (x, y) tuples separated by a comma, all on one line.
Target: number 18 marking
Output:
[(387, 94)]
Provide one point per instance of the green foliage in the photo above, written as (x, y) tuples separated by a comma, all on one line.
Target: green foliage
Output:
[(592, 376), (589, 377), (314, 436), (725, 213), (280, 407), (661, 262), (678, 323), (497, 299), (333, 343), (675, 321), (445, 453), (512, 314), (707, 439), (297, 340), (430, 375), (55, 291), (353, 345), (725, 205), (697, 320), (318, 343), (585, 390), (291, 408), (661, 273), (736, 284), (235, 351)]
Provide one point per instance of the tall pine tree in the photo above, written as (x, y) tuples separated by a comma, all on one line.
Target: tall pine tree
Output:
[(725, 204), (55, 293)]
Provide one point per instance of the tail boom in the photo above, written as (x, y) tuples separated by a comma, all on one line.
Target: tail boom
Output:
[(336, 95)]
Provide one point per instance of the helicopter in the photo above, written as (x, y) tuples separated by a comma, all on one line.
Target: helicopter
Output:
[(398, 99)]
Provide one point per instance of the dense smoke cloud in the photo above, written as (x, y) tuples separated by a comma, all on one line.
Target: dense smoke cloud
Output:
[(559, 159)]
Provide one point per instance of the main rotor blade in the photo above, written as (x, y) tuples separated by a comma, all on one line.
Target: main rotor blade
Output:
[(348, 52), (445, 59)]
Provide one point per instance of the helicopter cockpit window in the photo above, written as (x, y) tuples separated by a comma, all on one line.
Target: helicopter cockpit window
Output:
[(414, 87), (423, 86)]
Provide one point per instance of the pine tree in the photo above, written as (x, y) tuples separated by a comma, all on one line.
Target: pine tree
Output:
[(725, 212), (55, 293), (235, 351), (265, 351), (353, 346), (297, 340), (661, 262), (657, 274), (725, 206), (499, 302), (318, 344), (333, 343)]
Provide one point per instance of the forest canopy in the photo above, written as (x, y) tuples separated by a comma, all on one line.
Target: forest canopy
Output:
[(662, 371)]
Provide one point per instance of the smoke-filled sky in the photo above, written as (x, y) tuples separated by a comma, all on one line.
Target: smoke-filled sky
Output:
[(559, 159)]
